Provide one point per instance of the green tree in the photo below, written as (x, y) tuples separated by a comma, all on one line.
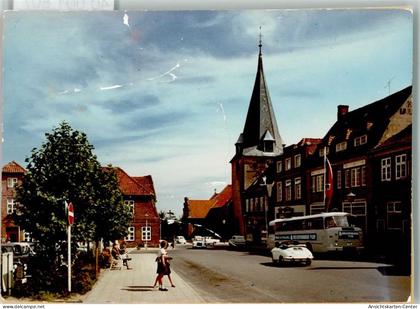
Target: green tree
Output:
[(65, 169)]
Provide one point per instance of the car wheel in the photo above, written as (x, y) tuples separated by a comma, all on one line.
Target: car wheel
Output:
[(308, 262), (280, 261)]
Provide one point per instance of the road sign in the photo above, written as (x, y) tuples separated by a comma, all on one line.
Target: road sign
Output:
[(70, 213)]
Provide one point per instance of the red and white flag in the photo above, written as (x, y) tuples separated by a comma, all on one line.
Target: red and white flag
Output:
[(328, 190)]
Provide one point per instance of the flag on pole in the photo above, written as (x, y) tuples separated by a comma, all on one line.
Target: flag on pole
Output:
[(328, 189)]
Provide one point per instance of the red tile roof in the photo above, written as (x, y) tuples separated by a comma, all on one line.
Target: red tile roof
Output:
[(223, 197), (13, 167), (134, 185), (198, 209), (146, 182)]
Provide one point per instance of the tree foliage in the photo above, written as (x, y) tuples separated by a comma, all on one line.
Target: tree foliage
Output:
[(65, 169)]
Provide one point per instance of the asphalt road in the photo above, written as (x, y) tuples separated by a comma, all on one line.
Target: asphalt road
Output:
[(227, 276)]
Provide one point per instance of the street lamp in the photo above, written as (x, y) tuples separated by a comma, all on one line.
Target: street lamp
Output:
[(269, 188), (350, 198)]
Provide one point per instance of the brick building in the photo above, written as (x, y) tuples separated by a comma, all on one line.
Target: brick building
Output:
[(215, 214), (11, 177), (139, 194)]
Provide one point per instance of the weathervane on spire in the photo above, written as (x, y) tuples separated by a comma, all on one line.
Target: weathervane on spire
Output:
[(260, 45)]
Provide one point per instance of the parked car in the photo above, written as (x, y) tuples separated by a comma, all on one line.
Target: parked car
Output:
[(291, 252), (210, 241), (22, 251), (237, 241), (180, 240), (198, 242)]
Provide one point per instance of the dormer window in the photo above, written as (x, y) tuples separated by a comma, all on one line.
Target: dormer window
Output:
[(268, 146), (360, 140), (268, 142)]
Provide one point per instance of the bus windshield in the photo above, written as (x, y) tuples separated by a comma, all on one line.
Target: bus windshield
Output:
[(341, 221)]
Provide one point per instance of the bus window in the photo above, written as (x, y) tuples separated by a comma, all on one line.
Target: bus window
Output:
[(317, 224), (329, 222)]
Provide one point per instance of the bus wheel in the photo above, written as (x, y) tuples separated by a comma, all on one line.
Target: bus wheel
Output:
[(309, 247)]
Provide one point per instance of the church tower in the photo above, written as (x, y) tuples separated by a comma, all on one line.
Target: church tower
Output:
[(257, 145)]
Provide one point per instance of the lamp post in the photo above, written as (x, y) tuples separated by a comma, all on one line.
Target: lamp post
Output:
[(350, 198), (269, 188)]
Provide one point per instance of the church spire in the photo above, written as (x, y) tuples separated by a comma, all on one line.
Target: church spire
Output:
[(260, 120)]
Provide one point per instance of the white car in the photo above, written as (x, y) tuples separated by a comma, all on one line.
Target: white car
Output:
[(237, 241), (294, 253), (198, 242), (180, 240), (204, 242)]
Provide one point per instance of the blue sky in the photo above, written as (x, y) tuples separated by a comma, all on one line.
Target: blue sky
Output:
[(166, 93)]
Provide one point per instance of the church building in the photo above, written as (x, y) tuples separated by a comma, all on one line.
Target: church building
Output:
[(256, 148)]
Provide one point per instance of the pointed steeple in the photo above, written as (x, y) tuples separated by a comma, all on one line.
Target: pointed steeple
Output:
[(260, 120)]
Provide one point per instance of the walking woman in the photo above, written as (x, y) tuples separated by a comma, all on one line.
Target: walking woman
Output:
[(163, 266)]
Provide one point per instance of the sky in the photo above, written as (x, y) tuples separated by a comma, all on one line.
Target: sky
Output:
[(165, 93)]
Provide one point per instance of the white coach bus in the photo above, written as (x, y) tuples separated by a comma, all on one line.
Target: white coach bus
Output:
[(324, 232)]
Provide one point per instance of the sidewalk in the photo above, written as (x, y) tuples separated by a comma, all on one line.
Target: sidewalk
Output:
[(136, 286)]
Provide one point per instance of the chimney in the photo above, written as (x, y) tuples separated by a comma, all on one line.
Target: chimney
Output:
[(341, 111)]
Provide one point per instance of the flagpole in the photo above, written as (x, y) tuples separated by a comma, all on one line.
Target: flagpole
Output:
[(69, 257)]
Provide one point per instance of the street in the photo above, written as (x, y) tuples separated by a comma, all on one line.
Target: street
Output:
[(227, 276)]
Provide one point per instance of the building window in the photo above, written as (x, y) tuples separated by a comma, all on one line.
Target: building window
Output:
[(279, 192), (262, 205), (288, 164), (130, 203), (11, 205), (297, 160), (131, 234), (257, 204), (323, 150), (401, 166), (11, 182), (347, 178), (318, 183), (386, 169), (355, 177), (27, 236), (363, 176), (316, 208), (251, 205), (394, 216), (359, 210), (279, 166), (288, 190), (339, 179), (146, 233), (298, 189), (360, 140), (247, 205), (341, 146)]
